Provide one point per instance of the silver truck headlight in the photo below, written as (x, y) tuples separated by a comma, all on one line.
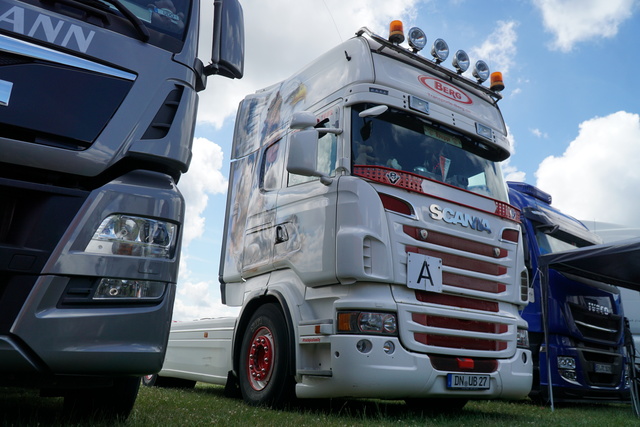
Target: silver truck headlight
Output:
[(134, 236)]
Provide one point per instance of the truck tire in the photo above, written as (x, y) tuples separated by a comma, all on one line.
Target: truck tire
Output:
[(265, 363), (105, 403), (155, 380)]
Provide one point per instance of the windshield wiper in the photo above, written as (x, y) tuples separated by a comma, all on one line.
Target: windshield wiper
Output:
[(130, 16), (135, 21)]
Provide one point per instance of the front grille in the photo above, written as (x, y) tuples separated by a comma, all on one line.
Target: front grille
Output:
[(33, 218), (461, 262), (602, 369), (595, 326)]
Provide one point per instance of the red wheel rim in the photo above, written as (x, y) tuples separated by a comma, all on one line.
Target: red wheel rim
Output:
[(260, 358)]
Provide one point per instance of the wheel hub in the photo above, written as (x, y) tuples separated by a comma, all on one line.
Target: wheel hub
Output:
[(260, 358)]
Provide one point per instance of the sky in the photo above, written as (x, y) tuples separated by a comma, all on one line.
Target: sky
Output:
[(571, 102)]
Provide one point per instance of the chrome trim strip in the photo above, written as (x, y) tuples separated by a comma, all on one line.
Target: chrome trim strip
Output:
[(19, 47)]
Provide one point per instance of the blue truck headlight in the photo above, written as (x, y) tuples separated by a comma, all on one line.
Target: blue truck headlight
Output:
[(134, 236), (565, 362)]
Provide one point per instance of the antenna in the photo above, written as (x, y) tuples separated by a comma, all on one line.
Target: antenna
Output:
[(332, 20)]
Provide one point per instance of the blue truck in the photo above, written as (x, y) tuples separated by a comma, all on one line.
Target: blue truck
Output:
[(583, 352)]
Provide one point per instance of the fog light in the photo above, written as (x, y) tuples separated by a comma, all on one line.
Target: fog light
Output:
[(568, 375), (389, 347), (364, 346), (120, 289), (565, 362)]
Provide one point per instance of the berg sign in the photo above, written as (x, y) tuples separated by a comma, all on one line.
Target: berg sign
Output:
[(445, 89)]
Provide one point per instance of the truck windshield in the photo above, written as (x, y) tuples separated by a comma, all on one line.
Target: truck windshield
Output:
[(551, 242), (403, 141), (165, 16)]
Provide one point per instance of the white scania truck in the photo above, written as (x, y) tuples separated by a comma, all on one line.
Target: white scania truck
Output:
[(368, 238), (98, 102)]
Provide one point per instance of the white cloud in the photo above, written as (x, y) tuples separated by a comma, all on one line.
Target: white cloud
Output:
[(574, 21), (282, 37), (597, 177), (499, 49), (538, 133), (204, 177)]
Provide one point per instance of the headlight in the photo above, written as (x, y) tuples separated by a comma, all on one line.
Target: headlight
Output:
[(134, 236), (565, 362), (365, 322), (522, 340)]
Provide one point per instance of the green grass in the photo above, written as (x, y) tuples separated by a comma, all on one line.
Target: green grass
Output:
[(207, 406)]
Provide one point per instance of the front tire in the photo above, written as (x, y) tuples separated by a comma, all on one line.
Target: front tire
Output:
[(264, 368)]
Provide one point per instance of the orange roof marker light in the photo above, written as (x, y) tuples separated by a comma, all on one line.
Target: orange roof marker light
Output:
[(396, 32), (497, 85)]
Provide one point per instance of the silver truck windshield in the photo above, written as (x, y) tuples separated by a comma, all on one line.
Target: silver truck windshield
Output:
[(403, 141), (165, 16)]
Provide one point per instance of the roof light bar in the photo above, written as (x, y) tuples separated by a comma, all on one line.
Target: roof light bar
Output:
[(461, 61), (481, 71), (417, 39), (440, 50)]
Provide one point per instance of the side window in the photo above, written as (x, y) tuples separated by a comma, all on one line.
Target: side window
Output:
[(272, 167)]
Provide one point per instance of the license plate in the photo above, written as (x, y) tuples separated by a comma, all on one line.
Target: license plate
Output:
[(424, 272), (601, 368), (467, 381)]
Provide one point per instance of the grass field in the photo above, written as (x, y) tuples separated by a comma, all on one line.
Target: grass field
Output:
[(206, 406)]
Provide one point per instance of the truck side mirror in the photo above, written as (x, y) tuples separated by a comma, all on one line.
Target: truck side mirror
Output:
[(227, 54), (303, 153)]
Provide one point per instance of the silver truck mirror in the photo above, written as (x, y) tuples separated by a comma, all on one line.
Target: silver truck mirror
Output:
[(303, 153), (302, 120), (227, 53)]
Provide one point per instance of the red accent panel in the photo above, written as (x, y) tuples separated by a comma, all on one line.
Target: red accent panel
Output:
[(460, 342), (474, 283), (457, 301), (413, 182), (459, 324), (466, 363), (461, 262), (510, 235), (396, 205), (450, 363), (454, 242)]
